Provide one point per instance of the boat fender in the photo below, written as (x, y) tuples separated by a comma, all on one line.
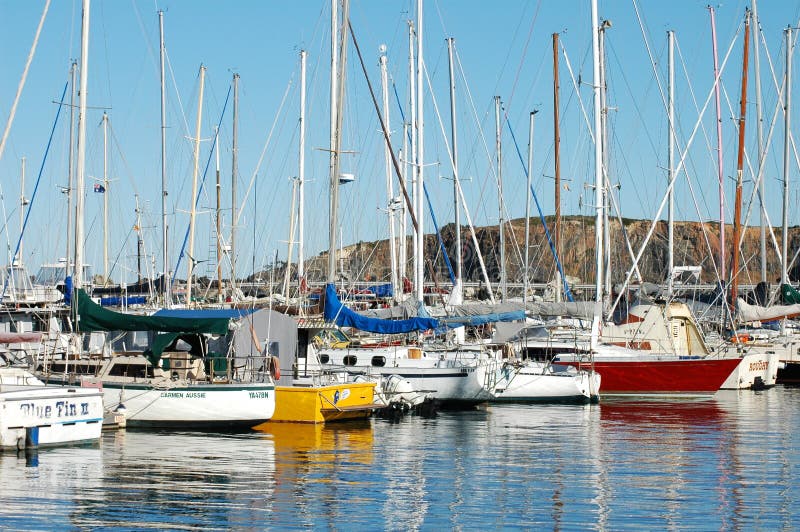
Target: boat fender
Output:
[(275, 368)]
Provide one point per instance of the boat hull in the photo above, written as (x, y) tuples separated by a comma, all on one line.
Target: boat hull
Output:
[(755, 371), (533, 386), (667, 377), (199, 406), (324, 404), (48, 416)]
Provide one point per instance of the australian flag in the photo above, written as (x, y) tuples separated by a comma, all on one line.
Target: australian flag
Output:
[(99, 188)]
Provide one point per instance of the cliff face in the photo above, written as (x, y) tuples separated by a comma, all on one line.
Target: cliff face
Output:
[(696, 244)]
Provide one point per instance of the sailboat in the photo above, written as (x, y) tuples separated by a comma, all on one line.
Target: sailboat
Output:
[(160, 374), (628, 371)]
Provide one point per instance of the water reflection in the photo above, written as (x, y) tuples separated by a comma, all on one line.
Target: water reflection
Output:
[(725, 463), (319, 471)]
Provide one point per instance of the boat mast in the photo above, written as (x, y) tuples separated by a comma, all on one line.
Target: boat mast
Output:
[(218, 217), (787, 92), (737, 223), (458, 289), (105, 199), (601, 41), (193, 208), (234, 176), (671, 162), (413, 158), (81, 163), (22, 203), (420, 205), (167, 286), (338, 62), (301, 178), (557, 164), (71, 162), (525, 283), (719, 149), (598, 177), (501, 218), (139, 242), (760, 136), (388, 167)]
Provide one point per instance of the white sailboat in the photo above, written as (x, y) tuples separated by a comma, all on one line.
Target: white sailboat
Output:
[(167, 391)]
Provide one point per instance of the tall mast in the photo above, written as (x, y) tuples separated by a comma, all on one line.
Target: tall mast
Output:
[(81, 164), (22, 203), (456, 205), (301, 177), (167, 286), (671, 162), (420, 204), (193, 208), (501, 218), (402, 258), (601, 41), (719, 149), (787, 98), (737, 223), (412, 154), (139, 242), (70, 176), (760, 136), (218, 217), (388, 168), (338, 62), (557, 162), (525, 283), (598, 173), (234, 176), (105, 199)]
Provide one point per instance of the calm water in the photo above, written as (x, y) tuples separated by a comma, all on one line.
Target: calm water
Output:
[(726, 463)]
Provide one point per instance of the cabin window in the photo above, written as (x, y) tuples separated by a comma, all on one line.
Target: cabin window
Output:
[(350, 360), (136, 371), (324, 359), (379, 361)]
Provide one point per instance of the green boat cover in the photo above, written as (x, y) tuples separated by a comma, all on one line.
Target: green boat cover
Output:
[(790, 295), (93, 317)]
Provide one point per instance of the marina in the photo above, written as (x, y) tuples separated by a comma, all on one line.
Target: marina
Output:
[(344, 319)]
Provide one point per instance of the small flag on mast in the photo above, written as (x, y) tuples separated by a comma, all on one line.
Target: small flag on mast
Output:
[(99, 188)]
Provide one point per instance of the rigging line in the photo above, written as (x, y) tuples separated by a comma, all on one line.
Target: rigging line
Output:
[(671, 185), (22, 80), (778, 108), (35, 187), (264, 150), (461, 193), (524, 53), (567, 291), (177, 93), (703, 226), (203, 181), (491, 168)]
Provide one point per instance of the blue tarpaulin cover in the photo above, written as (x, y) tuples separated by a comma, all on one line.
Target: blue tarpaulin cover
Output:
[(336, 312)]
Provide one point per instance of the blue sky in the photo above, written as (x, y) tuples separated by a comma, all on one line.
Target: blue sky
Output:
[(504, 49)]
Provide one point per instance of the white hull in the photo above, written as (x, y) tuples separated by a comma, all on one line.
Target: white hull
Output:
[(756, 370), (535, 383), (48, 416), (441, 378), (221, 405)]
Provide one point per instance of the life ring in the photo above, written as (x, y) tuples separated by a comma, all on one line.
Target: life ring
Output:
[(275, 368)]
